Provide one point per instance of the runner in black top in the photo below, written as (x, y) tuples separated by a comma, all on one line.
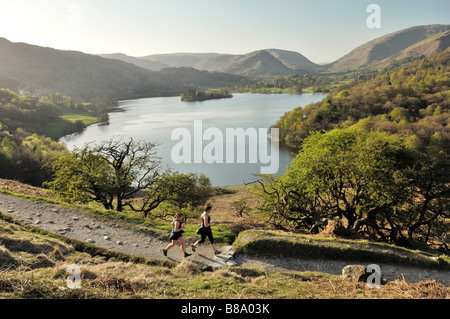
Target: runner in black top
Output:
[(206, 231)]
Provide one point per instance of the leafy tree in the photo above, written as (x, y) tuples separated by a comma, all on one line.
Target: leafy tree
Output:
[(240, 206), (119, 173), (394, 101), (191, 189), (179, 191), (371, 180), (111, 171)]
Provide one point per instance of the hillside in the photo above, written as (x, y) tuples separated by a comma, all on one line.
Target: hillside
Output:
[(400, 117), (45, 70), (398, 46), (143, 63), (403, 44), (35, 261), (404, 101), (180, 59), (39, 70), (294, 60), (262, 62)]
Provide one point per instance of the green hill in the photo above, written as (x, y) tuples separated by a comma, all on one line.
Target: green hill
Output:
[(412, 42), (411, 100), (41, 71), (262, 62)]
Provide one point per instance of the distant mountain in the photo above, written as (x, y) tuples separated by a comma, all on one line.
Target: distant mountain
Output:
[(179, 59), (407, 43), (42, 71), (254, 63), (261, 62), (182, 78), (143, 63), (404, 44), (294, 60)]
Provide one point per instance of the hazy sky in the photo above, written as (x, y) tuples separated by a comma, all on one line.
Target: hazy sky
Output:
[(322, 30)]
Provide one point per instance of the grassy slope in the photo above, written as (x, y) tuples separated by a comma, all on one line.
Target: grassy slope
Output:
[(33, 264), (270, 243), (55, 129)]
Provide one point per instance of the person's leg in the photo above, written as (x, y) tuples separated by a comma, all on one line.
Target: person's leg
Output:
[(201, 241), (169, 246), (213, 246), (172, 244), (183, 246)]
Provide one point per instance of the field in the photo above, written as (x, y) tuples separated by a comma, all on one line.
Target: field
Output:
[(57, 128)]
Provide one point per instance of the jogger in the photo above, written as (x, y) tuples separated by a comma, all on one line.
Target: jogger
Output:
[(177, 234), (206, 231)]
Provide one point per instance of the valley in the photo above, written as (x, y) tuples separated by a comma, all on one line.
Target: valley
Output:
[(358, 174)]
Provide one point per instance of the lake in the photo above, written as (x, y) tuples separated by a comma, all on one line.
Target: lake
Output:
[(208, 123)]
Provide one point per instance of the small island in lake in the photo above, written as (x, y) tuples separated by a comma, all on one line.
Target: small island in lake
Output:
[(194, 95)]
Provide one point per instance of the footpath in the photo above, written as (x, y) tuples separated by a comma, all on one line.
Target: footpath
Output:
[(117, 235), (113, 235)]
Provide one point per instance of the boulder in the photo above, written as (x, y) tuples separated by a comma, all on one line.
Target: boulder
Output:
[(360, 273), (354, 272)]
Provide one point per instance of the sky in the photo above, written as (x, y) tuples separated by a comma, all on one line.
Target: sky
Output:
[(321, 30)]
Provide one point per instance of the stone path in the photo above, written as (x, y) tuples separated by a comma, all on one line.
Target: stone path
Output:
[(114, 235)]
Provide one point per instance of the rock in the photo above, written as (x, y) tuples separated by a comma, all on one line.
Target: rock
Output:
[(206, 267), (354, 272), (106, 238), (119, 242), (361, 273), (90, 240), (231, 263), (38, 222)]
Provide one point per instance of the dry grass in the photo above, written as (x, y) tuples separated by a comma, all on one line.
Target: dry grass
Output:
[(223, 211), (34, 265), (20, 188)]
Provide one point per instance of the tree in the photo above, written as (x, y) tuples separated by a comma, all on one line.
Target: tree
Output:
[(370, 180), (240, 206), (120, 173), (189, 189), (179, 190), (111, 171)]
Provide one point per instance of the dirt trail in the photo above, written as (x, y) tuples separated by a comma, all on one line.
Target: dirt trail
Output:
[(114, 235)]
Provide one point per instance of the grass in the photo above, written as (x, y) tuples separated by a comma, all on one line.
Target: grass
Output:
[(227, 227), (269, 243), (33, 263), (56, 129)]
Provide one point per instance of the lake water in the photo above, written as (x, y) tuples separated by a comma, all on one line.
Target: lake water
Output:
[(155, 119)]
